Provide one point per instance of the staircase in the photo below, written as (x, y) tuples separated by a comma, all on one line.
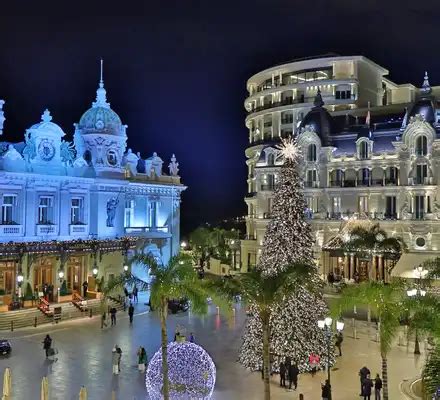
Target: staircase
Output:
[(26, 317)]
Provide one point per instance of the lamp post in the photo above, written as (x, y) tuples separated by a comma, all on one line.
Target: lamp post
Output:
[(418, 293), (326, 326)]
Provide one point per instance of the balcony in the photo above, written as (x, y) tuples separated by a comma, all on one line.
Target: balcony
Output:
[(11, 230), (363, 182), (311, 184), (143, 230), (268, 124), (47, 229), (377, 182), (350, 183), (390, 182), (78, 230), (336, 183), (268, 188)]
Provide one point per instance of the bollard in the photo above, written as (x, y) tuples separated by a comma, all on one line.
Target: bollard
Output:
[(301, 396), (354, 328), (35, 322), (12, 326), (90, 315)]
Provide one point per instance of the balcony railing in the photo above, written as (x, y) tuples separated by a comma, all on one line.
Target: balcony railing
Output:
[(311, 184), (47, 229), (377, 182), (267, 187), (146, 229), (349, 183), (361, 182), (373, 215), (78, 229), (336, 183), (11, 230), (390, 181)]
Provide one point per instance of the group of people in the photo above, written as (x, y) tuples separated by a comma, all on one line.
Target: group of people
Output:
[(133, 296), (117, 355), (48, 290), (291, 371), (179, 337), (367, 384)]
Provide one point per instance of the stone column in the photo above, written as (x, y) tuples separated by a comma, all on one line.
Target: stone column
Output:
[(352, 265), (346, 266)]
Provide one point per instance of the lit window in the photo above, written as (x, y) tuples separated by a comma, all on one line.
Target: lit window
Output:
[(363, 150), (422, 145), (9, 205), (421, 173), (271, 159), (311, 152), (45, 210), (77, 211), (129, 213)]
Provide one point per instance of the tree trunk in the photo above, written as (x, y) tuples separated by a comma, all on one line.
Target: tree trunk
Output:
[(164, 339), (266, 356), (417, 345), (385, 376)]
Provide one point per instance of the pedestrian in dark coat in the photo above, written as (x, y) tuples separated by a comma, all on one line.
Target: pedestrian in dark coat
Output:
[(377, 387), (363, 372), (366, 387), (282, 374), (47, 343), (135, 294), (293, 376), (85, 288), (339, 340), (131, 312), (326, 390), (113, 312)]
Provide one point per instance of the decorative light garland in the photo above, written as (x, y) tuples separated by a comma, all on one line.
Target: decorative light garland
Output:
[(191, 373)]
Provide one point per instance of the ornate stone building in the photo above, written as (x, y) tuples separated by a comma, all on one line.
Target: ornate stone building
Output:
[(372, 154), (75, 211)]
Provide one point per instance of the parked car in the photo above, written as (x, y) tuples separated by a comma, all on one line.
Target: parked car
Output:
[(5, 347), (177, 305)]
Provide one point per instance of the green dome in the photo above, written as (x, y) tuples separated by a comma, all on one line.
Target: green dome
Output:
[(101, 120)]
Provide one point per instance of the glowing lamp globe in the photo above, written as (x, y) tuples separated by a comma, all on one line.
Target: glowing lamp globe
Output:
[(191, 373)]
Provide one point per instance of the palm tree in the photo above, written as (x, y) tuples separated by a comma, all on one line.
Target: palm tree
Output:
[(264, 293), (175, 280), (367, 240), (385, 303)]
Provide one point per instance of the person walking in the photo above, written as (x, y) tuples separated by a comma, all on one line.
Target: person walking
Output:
[(377, 387), (363, 373), (119, 351), (115, 361), (338, 344), (367, 384), (191, 338), (314, 362), (103, 318), (142, 359), (293, 376), (131, 312), (326, 390), (113, 312), (47, 344), (85, 286), (282, 374), (135, 294)]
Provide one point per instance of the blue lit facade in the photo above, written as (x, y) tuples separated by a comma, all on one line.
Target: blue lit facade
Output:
[(73, 207)]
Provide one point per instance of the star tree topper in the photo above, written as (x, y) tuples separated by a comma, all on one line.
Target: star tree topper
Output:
[(289, 149)]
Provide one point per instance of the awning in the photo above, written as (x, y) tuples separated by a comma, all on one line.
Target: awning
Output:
[(405, 266)]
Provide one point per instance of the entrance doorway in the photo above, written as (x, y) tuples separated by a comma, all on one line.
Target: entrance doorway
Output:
[(43, 272), (75, 269), (7, 276)]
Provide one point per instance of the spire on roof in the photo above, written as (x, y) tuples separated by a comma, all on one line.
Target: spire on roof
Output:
[(101, 93), (426, 87), (46, 117), (318, 102)]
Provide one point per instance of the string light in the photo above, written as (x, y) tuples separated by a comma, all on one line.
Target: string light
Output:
[(191, 373)]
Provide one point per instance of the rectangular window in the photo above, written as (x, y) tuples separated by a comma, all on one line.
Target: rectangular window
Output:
[(391, 211), (9, 209), (419, 207), (77, 211), (336, 205), (129, 213), (45, 210), (312, 178), (421, 174), (363, 204)]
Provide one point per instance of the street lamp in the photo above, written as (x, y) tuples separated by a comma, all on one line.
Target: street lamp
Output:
[(417, 293), (95, 272), (126, 268), (326, 325), (61, 275), (183, 245), (20, 279)]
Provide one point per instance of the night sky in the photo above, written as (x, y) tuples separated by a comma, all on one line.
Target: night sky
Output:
[(175, 71)]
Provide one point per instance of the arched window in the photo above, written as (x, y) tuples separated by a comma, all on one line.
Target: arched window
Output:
[(363, 150), (422, 145), (271, 159), (311, 152)]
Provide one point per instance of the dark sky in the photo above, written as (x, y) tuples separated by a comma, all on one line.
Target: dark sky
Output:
[(175, 71)]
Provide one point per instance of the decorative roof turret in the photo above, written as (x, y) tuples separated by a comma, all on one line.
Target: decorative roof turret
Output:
[(426, 87), (101, 93)]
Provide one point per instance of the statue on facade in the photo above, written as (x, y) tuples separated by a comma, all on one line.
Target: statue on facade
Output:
[(67, 152), (30, 150), (12, 160), (140, 164), (404, 210), (131, 161), (153, 166), (174, 166), (112, 204)]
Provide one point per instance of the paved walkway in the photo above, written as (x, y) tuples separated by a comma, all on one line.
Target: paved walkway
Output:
[(85, 359)]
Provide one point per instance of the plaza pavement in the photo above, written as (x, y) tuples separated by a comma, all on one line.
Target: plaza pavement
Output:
[(85, 359)]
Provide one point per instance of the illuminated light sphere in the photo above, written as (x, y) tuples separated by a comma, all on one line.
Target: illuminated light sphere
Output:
[(191, 373), (289, 149)]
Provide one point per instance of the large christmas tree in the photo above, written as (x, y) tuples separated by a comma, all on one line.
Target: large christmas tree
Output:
[(288, 239)]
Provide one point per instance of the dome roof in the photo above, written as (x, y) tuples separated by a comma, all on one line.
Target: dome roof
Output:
[(102, 120), (319, 120), (46, 126), (425, 106)]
